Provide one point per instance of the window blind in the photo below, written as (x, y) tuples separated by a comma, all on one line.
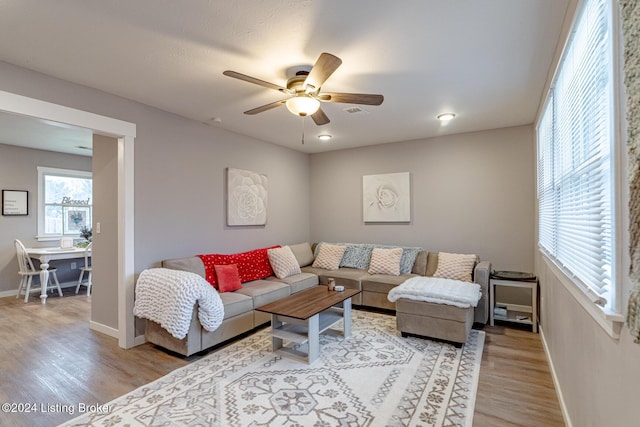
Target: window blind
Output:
[(574, 157)]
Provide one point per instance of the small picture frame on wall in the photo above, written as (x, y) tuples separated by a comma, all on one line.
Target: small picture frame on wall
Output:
[(75, 218), (15, 202)]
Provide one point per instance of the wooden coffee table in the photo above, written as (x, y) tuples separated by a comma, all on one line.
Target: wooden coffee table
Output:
[(302, 317)]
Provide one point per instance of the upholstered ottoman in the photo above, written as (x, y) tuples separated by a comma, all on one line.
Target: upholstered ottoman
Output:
[(442, 321)]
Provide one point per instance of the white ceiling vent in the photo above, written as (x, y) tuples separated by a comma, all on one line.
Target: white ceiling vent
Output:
[(356, 110)]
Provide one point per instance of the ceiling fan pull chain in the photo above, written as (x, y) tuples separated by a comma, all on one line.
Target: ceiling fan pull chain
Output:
[(302, 129)]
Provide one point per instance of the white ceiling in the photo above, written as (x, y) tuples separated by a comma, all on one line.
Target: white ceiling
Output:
[(487, 61)]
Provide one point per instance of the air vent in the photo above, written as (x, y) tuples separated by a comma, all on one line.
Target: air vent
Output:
[(355, 110)]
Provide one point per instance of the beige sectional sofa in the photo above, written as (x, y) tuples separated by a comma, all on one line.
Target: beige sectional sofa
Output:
[(375, 287), (239, 313), (239, 306)]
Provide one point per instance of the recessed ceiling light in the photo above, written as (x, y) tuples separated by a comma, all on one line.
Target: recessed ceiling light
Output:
[(445, 117), (324, 137)]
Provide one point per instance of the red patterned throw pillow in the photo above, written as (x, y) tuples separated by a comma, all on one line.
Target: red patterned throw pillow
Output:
[(252, 265), (228, 277)]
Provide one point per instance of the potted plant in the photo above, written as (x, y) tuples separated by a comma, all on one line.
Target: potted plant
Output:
[(86, 234)]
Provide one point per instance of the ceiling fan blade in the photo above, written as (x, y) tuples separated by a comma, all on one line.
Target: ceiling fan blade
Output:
[(253, 80), (351, 98), (322, 69), (320, 118), (266, 107)]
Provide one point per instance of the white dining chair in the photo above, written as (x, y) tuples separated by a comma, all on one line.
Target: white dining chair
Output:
[(86, 269), (27, 271)]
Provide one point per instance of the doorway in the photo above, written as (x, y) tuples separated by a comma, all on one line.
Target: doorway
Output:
[(124, 133)]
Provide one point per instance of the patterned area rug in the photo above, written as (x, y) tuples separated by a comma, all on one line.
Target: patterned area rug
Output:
[(373, 378)]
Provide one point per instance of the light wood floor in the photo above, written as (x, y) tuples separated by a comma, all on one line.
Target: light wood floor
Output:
[(50, 357)]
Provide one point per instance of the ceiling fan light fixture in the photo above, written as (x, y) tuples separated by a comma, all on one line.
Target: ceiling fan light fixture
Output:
[(302, 105), (445, 117), (324, 137)]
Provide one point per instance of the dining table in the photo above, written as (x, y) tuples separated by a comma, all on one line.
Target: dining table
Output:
[(46, 255)]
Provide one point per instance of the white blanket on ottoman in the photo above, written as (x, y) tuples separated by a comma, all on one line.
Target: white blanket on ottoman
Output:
[(438, 290), (167, 297)]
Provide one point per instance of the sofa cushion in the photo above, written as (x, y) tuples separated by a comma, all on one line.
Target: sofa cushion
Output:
[(420, 264), (409, 255), (252, 265), (383, 283), (303, 253), (192, 264), (430, 309), (385, 261), (357, 256), (349, 277), (235, 303), (283, 262), (227, 277), (264, 291), (455, 266), (329, 256), (298, 282), (432, 264)]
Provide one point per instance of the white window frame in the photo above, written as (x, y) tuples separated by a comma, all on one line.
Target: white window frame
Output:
[(610, 317), (42, 172)]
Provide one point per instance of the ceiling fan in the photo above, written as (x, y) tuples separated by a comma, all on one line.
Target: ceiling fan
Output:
[(304, 90)]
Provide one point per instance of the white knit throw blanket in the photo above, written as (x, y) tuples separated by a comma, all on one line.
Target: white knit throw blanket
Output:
[(438, 290), (168, 296)]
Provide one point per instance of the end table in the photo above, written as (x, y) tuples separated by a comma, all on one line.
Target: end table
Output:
[(529, 314)]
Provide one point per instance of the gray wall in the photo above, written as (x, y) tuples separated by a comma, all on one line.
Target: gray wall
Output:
[(470, 193), (179, 176), (18, 171), (181, 191), (597, 375)]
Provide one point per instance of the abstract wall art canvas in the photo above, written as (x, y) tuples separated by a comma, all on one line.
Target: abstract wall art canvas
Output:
[(246, 197), (386, 197)]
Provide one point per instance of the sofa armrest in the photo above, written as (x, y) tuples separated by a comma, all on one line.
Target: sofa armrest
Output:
[(481, 275)]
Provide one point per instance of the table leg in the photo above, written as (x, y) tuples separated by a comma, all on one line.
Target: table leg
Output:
[(275, 324), (346, 314), (314, 338), (44, 280), (492, 296), (534, 307)]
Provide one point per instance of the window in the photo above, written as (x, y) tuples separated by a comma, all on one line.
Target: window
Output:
[(575, 138), (64, 202)]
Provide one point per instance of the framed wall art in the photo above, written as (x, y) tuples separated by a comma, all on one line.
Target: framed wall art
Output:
[(386, 197), (15, 202), (75, 218), (246, 197)]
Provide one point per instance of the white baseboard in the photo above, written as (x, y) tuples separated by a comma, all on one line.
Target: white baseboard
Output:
[(13, 292), (139, 340), (563, 406), (104, 329), (98, 327), (4, 294)]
